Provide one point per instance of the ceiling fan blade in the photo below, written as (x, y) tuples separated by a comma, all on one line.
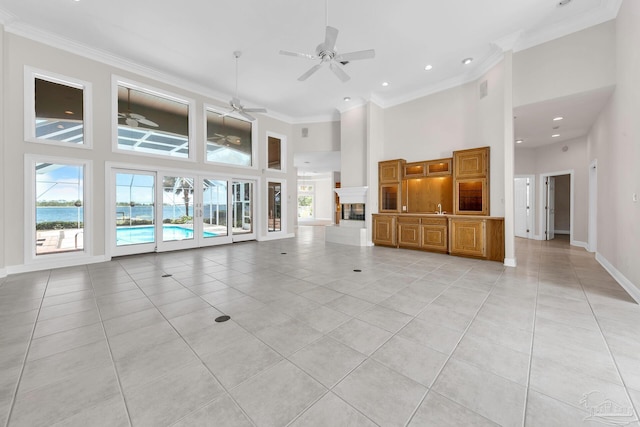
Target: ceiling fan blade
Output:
[(338, 71), (147, 122), (354, 56), (246, 116), (131, 122), (254, 110), (312, 70), (136, 116), (122, 115), (297, 54), (330, 38)]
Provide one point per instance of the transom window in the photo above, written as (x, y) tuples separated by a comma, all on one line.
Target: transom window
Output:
[(229, 139), (152, 123), (57, 109)]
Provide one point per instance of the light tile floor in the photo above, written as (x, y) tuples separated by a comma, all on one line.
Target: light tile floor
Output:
[(415, 339)]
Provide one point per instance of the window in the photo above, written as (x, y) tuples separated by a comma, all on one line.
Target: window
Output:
[(152, 123), (57, 109), (275, 206), (276, 149), (57, 202), (229, 139)]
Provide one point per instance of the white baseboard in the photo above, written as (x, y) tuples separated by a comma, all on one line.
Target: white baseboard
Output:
[(276, 236), (510, 262), (631, 289), (59, 263), (3, 273), (580, 244)]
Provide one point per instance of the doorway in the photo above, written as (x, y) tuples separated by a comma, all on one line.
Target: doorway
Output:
[(242, 207), (557, 203)]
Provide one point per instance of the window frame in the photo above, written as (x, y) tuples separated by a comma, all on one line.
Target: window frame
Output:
[(30, 76), (30, 255), (283, 206), (150, 90), (254, 137), (283, 152)]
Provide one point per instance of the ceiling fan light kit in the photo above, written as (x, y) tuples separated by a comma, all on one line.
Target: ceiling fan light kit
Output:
[(236, 105)]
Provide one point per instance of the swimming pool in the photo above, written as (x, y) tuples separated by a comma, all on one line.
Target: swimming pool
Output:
[(145, 234)]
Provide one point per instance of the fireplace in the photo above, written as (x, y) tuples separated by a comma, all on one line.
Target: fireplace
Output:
[(353, 211)]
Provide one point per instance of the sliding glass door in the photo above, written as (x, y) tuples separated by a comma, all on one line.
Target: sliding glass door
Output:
[(242, 210), (135, 218)]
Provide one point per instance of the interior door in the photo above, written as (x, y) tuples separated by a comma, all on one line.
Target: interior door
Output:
[(551, 210), (522, 207), (134, 215), (242, 207)]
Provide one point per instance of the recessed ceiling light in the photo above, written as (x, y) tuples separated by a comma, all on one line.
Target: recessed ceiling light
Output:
[(60, 127), (555, 119), (347, 98), (467, 61), (385, 84), (519, 141), (69, 112), (555, 135), (428, 67)]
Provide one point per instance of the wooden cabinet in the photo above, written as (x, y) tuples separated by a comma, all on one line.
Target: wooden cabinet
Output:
[(440, 167), (409, 232), (477, 237), (384, 230), (471, 182), (390, 171), (390, 197), (473, 163), (415, 170), (434, 234), (471, 196)]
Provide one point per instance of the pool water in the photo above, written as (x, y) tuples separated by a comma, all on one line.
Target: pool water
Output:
[(145, 234)]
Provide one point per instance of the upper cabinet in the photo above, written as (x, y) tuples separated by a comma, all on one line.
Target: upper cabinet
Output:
[(471, 182), (390, 171), (473, 163), (440, 167), (415, 170)]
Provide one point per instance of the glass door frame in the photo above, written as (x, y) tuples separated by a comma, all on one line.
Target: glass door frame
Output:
[(243, 237)]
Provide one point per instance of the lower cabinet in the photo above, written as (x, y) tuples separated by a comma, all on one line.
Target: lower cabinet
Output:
[(480, 238), (434, 234), (476, 237), (409, 232), (384, 230)]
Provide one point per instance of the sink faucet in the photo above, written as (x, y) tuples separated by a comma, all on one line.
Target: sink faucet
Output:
[(439, 212)]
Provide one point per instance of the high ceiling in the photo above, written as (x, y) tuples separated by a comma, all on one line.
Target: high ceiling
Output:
[(191, 44)]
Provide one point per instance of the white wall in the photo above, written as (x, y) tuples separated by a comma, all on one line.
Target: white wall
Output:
[(614, 142), (550, 159), (2, 144), (321, 136), (434, 126), (325, 196), (353, 147), (576, 63), (19, 52)]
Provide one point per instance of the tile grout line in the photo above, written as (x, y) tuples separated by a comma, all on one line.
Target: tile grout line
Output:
[(26, 355), (613, 358), (533, 337)]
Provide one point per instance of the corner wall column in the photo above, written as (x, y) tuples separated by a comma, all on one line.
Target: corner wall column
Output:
[(509, 153)]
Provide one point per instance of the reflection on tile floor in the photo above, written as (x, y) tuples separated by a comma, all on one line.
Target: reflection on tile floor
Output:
[(414, 339)]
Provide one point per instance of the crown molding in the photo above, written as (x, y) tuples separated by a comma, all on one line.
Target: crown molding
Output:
[(29, 32), (607, 11), (322, 118), (494, 56), (6, 18)]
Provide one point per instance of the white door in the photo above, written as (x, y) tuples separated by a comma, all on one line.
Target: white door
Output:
[(177, 198), (551, 210), (212, 213), (522, 207), (242, 207)]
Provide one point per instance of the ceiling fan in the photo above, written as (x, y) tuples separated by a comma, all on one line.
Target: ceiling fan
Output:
[(326, 52), (133, 119), (222, 139), (236, 105)]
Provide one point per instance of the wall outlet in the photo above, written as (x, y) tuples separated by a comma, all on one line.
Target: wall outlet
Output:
[(634, 197)]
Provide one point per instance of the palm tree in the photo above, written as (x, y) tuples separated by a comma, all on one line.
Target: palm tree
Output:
[(179, 186)]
